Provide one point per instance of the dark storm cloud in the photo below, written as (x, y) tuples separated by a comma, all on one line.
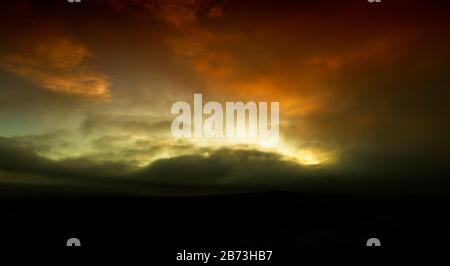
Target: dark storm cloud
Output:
[(17, 158), (375, 170), (225, 166), (396, 162), (362, 171), (220, 168), (222, 165)]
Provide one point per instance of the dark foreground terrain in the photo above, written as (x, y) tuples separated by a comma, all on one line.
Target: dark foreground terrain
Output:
[(292, 225)]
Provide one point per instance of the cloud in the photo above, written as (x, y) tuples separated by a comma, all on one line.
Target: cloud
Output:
[(227, 167), (122, 142), (177, 13), (17, 158), (133, 124), (58, 64), (219, 171), (216, 172), (368, 86)]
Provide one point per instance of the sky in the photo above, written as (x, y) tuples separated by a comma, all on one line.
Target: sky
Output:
[(87, 88)]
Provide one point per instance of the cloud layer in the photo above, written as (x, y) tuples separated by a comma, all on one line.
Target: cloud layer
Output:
[(57, 63), (363, 92)]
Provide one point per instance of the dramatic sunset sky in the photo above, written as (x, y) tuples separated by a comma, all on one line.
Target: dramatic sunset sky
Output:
[(86, 91)]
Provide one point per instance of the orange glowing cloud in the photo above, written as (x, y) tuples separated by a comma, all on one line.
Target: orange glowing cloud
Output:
[(58, 64)]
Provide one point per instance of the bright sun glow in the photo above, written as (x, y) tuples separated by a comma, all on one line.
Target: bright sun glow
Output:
[(304, 156)]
